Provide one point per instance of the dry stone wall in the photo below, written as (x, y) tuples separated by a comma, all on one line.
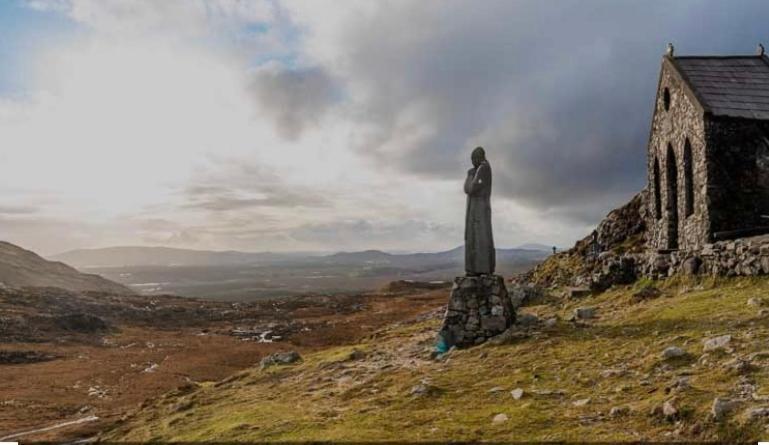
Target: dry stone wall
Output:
[(479, 308)]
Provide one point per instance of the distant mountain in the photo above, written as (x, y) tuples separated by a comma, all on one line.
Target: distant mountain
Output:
[(455, 256), (242, 275), (535, 246), (23, 268), (125, 256)]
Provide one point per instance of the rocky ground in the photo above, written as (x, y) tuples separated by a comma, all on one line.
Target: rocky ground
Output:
[(79, 362), (654, 361)]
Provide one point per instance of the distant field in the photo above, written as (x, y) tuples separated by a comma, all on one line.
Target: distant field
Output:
[(243, 282)]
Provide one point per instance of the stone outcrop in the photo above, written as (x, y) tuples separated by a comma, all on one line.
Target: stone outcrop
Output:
[(606, 257), (479, 308)]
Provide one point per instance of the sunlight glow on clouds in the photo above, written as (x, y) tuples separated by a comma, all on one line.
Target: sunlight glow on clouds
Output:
[(292, 125)]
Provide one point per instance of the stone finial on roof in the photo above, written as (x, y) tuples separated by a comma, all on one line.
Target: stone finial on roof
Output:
[(669, 50), (760, 49)]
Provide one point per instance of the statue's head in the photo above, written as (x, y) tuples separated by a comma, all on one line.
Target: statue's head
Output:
[(478, 156)]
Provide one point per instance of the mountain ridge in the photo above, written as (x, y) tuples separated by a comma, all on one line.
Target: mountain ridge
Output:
[(120, 256), (20, 267)]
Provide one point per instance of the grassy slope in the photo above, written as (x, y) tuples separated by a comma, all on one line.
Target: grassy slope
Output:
[(330, 397)]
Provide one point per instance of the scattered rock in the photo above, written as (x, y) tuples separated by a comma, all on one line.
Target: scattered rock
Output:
[(550, 322), (509, 336), (607, 373), (184, 405), (527, 320), (584, 313), (672, 352), (517, 393), (496, 389), (646, 293), (739, 366), (500, 418), (95, 391), (577, 292), (715, 343), (691, 265), (669, 410), (549, 393), (356, 354), (753, 301), (280, 358), (619, 411), (424, 388), (681, 384), (757, 413), (581, 402), (721, 408)]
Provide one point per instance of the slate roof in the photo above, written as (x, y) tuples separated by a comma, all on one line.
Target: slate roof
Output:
[(734, 86)]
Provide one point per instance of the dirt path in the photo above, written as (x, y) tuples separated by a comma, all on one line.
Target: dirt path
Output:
[(50, 428)]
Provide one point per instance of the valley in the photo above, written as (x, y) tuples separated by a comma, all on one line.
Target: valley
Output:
[(86, 359)]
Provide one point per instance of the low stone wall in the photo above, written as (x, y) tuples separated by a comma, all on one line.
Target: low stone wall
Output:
[(740, 257), (479, 308)]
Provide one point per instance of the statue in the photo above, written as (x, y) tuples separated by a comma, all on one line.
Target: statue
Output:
[(480, 256), (479, 306)]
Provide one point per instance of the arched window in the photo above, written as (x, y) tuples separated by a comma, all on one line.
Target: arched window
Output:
[(657, 194), (671, 195), (688, 178), (666, 99)]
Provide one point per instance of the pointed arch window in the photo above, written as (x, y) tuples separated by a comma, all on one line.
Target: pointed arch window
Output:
[(657, 194), (688, 178)]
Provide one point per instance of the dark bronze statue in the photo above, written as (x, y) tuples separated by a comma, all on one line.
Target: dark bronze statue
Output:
[(480, 257)]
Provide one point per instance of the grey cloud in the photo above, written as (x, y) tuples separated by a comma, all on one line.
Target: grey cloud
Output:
[(560, 93), (236, 185), (293, 98), (17, 210), (361, 233)]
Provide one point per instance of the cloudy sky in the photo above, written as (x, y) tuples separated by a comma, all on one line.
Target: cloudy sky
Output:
[(331, 125)]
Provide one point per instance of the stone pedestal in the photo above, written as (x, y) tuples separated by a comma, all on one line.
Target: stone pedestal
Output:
[(479, 308)]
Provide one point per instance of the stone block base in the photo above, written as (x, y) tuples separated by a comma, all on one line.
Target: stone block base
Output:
[(479, 308)]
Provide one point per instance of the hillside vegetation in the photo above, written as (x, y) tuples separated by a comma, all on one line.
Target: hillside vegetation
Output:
[(23, 268), (645, 367)]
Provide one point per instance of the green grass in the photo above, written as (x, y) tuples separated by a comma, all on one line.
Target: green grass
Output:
[(327, 397)]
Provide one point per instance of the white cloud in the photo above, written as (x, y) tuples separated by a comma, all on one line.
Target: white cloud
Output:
[(299, 126)]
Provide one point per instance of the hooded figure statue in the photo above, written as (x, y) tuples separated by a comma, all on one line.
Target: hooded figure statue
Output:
[(480, 256)]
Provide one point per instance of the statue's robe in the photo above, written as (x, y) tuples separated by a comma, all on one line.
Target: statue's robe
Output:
[(480, 257)]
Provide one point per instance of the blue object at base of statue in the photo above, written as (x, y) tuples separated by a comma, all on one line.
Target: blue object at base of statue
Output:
[(441, 347)]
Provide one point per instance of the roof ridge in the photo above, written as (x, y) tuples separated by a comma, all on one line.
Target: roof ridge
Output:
[(720, 56)]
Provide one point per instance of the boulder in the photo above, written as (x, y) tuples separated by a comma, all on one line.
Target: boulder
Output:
[(669, 410), (646, 293), (500, 418), (578, 292), (619, 411), (527, 320), (280, 358), (716, 343), (584, 313), (691, 265), (721, 408), (581, 402), (672, 352), (517, 393), (424, 388)]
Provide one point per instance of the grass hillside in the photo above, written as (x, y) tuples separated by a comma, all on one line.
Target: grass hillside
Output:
[(23, 268), (602, 379)]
